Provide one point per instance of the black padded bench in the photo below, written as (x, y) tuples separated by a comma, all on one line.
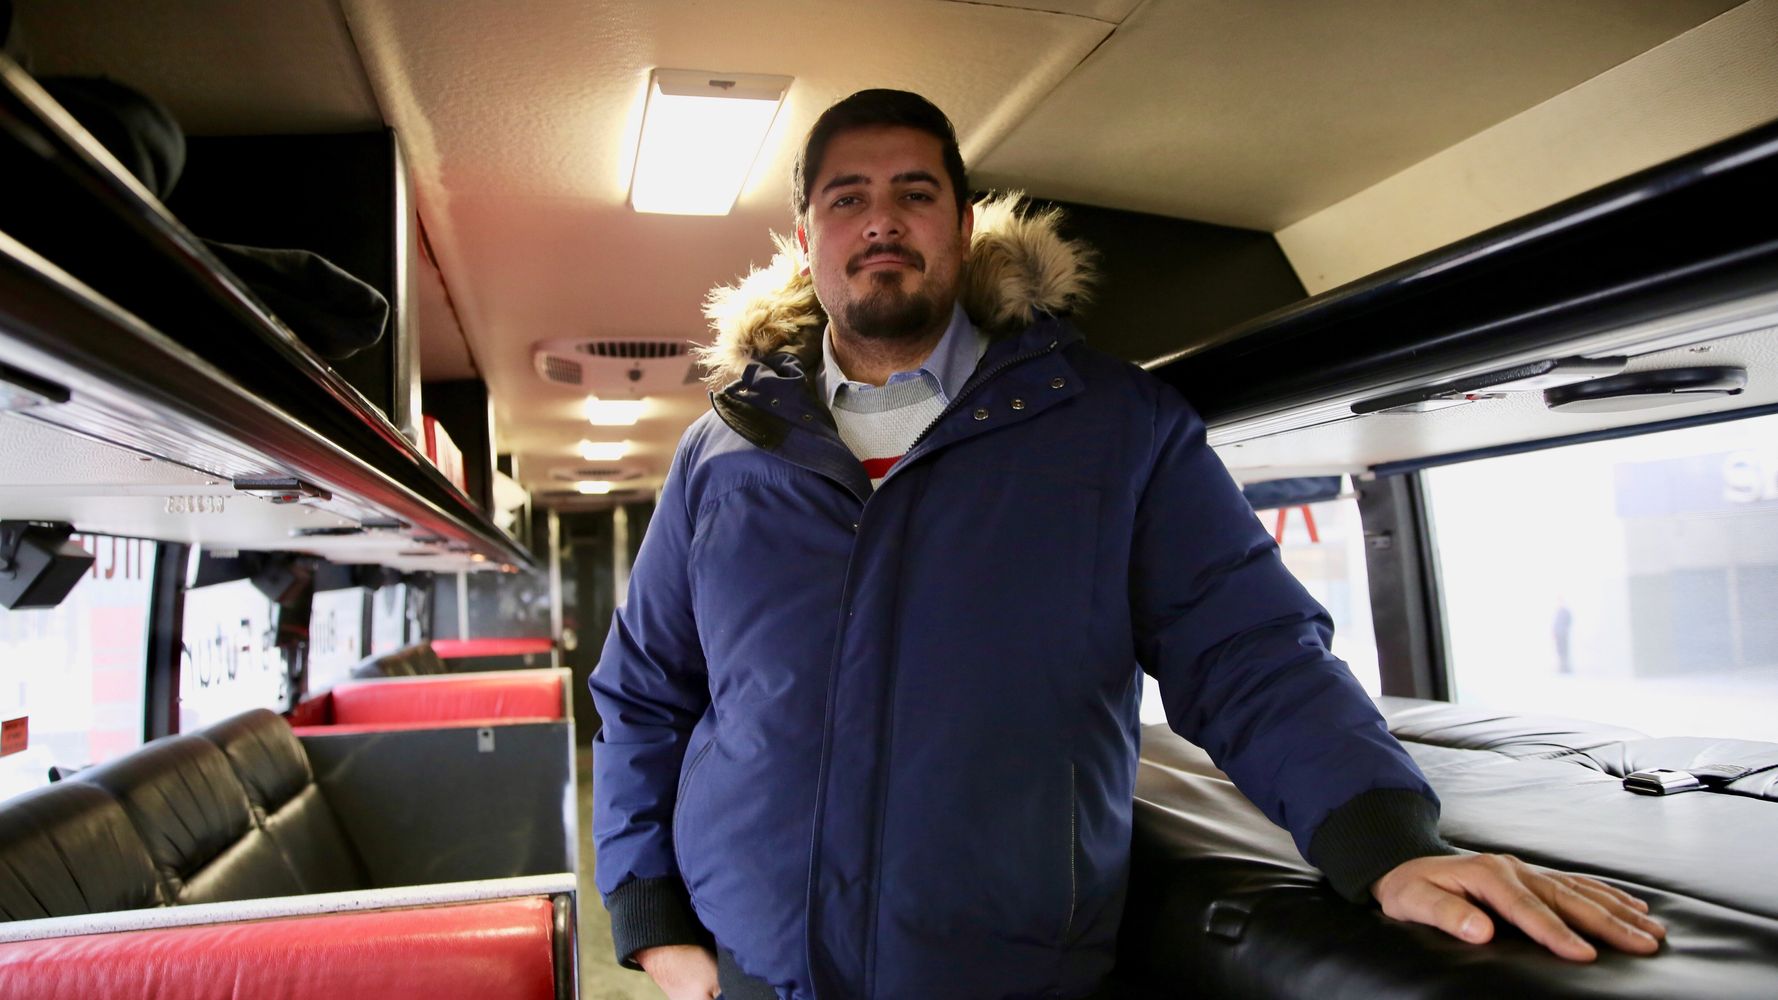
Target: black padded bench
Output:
[(1221, 904), (245, 810), (229, 813), (244, 860)]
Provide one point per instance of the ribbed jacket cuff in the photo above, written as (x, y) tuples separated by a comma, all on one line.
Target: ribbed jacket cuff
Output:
[(1367, 837), (649, 913)]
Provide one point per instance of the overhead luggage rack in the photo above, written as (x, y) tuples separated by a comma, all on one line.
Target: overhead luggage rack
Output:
[(120, 335), (1669, 257)]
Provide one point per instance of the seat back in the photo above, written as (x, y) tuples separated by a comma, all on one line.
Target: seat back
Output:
[(193, 815), (69, 849), (409, 661), (286, 802)]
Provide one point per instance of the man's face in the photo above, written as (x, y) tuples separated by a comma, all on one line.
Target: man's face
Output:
[(884, 242)]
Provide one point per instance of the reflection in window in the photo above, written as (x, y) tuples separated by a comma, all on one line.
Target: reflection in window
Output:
[(1632, 581), (76, 671), (230, 661), (337, 640)]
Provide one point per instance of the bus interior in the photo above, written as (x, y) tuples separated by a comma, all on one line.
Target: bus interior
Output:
[(345, 344)]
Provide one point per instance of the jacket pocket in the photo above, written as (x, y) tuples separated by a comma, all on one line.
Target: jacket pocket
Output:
[(679, 801)]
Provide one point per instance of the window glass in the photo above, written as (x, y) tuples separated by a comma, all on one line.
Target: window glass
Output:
[(76, 672), (389, 619), (1322, 544), (336, 635), (496, 605), (231, 660), (1632, 581)]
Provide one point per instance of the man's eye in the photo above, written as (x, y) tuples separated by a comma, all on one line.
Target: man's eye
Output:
[(919, 196), (845, 201)]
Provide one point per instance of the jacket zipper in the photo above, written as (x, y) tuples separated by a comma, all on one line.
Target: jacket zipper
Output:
[(976, 384), (1073, 849)]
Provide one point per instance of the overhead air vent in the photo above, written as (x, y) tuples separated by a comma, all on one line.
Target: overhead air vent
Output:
[(636, 350), (629, 366), (609, 473)]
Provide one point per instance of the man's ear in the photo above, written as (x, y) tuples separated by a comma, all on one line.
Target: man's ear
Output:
[(802, 240), (968, 223)]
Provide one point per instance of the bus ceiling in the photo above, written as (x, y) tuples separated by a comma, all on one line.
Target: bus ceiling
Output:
[(1269, 198)]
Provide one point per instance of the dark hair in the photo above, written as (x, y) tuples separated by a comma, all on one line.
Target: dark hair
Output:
[(869, 108)]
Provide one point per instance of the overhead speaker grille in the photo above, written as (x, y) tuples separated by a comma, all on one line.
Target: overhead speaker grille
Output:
[(560, 369)]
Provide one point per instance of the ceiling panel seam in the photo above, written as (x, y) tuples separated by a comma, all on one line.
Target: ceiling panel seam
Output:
[(345, 23), (1007, 131), (1036, 10)]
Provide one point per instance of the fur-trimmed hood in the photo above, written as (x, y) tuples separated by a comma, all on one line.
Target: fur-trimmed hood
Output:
[(1019, 266)]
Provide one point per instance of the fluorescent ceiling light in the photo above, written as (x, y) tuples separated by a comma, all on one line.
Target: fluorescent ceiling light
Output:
[(603, 451), (593, 487), (701, 133), (613, 412)]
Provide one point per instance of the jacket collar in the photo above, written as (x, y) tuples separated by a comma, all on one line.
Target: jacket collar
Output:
[(1019, 269)]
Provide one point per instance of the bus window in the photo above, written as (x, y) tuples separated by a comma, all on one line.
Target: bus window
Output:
[(337, 640), (1634, 580), (1323, 546), (75, 672), (389, 625), (231, 660)]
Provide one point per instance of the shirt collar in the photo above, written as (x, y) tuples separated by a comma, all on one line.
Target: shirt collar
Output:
[(950, 364)]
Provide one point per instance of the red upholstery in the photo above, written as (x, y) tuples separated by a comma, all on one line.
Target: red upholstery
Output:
[(459, 649), (394, 727), (496, 695), (470, 951), (316, 711)]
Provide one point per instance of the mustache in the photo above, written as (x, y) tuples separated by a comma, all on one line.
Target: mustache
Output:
[(896, 250)]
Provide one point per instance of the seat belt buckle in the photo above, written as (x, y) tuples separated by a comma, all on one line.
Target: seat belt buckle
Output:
[(1662, 781)]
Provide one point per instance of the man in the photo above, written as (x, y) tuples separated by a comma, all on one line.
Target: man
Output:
[(870, 710)]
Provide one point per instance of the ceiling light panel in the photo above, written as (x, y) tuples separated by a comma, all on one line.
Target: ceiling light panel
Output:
[(603, 451), (613, 412), (701, 133)]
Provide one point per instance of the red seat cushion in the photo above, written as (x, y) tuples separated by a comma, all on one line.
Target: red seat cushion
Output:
[(496, 695), (469, 951), (396, 727)]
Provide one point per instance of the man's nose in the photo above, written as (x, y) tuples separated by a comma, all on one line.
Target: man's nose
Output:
[(883, 226)]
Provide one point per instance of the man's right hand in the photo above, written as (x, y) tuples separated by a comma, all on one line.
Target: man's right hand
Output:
[(682, 971)]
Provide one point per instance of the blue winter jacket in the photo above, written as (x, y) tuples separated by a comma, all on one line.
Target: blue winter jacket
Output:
[(885, 743)]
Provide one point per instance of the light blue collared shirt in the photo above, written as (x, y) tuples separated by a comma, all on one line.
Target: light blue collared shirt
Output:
[(946, 369)]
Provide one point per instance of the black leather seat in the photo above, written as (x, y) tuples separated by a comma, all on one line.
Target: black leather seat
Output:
[(1220, 903), (409, 661), (286, 802), (192, 813), (69, 849)]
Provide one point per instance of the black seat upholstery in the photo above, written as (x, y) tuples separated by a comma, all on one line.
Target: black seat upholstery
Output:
[(409, 661), (1220, 900), (192, 813), (281, 790), (68, 849)]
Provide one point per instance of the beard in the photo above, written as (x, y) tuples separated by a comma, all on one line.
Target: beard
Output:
[(889, 311)]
